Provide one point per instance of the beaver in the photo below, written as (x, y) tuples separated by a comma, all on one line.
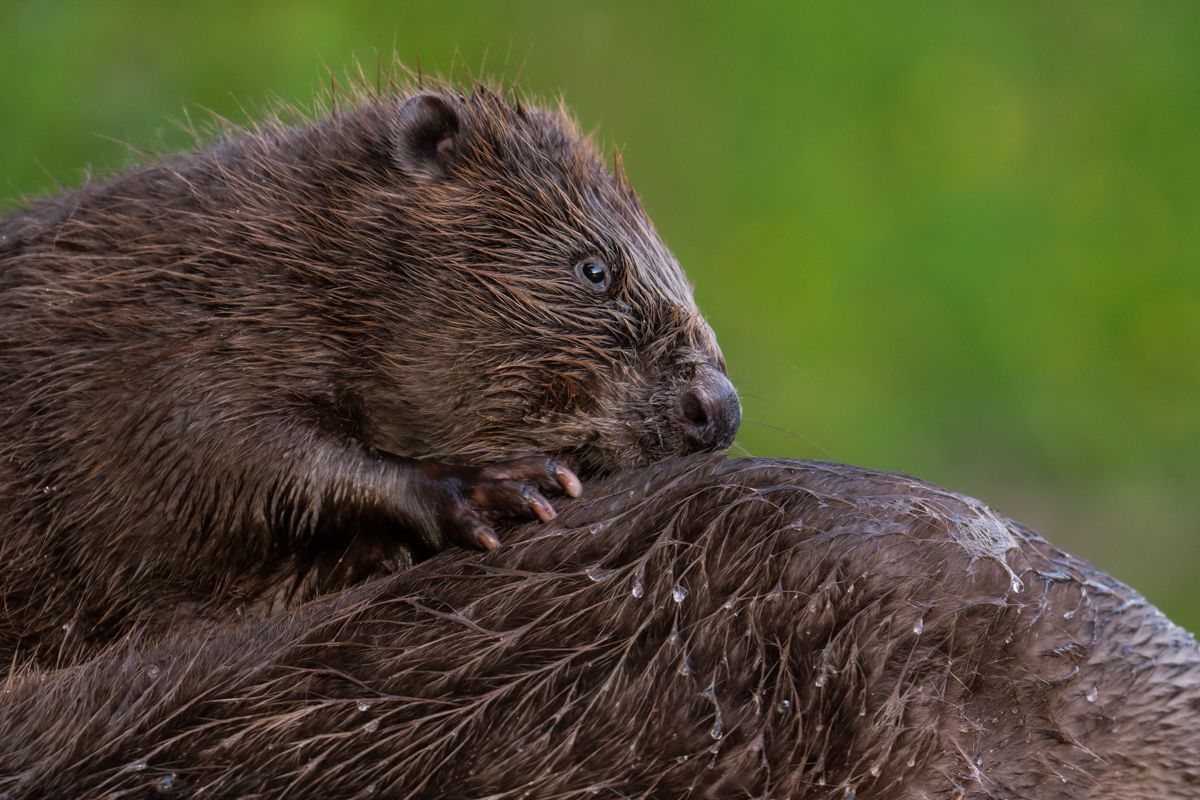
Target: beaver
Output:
[(699, 627), (307, 352)]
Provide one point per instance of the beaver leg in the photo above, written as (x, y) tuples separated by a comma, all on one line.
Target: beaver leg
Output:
[(295, 481)]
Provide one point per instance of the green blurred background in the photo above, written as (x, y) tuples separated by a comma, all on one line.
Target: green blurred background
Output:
[(957, 239)]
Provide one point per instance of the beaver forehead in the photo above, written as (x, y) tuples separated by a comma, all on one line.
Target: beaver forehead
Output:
[(600, 213), (541, 169)]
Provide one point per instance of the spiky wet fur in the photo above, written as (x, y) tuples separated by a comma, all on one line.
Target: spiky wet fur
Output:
[(701, 628), (182, 346)]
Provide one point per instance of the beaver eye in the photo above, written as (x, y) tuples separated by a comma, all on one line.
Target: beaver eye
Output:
[(594, 273)]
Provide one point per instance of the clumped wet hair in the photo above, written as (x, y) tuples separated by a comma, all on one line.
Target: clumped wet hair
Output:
[(701, 627), (429, 271)]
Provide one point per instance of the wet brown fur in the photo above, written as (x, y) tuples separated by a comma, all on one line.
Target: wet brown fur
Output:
[(699, 628), (189, 350)]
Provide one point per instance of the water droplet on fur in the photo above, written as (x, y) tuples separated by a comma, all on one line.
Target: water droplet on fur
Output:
[(728, 605), (154, 671), (718, 726), (685, 666), (850, 793), (776, 592), (675, 638), (1069, 614), (918, 626), (138, 765), (363, 705), (874, 770), (679, 593), (785, 705), (167, 782), (912, 762), (66, 627), (820, 680), (371, 726), (598, 573), (639, 583), (1017, 586), (682, 759), (1093, 693), (850, 589)]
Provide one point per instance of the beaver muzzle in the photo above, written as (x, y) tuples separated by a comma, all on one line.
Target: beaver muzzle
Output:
[(709, 411)]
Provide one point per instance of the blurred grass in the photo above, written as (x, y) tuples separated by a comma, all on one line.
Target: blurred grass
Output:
[(954, 239)]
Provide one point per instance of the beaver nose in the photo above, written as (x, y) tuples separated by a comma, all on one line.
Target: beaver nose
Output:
[(710, 411)]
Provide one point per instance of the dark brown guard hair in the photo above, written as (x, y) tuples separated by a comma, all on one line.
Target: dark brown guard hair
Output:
[(699, 628)]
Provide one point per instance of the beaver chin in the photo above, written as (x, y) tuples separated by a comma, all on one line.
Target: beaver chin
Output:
[(635, 450), (597, 460)]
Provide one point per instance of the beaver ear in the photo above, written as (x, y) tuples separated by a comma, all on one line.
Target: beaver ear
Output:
[(426, 136)]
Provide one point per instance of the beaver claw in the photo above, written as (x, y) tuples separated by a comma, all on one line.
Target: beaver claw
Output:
[(474, 499)]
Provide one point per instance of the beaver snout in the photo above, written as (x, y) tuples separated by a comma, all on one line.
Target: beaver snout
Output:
[(710, 411)]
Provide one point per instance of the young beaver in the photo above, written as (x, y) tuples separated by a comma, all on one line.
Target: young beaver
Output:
[(698, 628), (274, 366)]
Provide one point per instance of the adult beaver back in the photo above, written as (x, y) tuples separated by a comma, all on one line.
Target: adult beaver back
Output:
[(238, 377), (699, 628)]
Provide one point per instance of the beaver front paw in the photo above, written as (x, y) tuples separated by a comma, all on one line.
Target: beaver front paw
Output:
[(469, 501)]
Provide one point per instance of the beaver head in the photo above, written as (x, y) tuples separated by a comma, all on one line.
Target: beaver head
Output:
[(534, 307)]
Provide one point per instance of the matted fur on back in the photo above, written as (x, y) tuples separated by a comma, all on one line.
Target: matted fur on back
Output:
[(698, 628)]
